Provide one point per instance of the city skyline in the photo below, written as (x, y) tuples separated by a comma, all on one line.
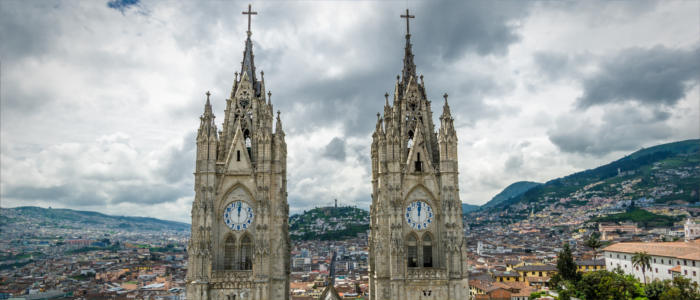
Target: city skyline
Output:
[(99, 100)]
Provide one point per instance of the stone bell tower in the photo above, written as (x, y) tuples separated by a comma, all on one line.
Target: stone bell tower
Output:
[(417, 248), (240, 247)]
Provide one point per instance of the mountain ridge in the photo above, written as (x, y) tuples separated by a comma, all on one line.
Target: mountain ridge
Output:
[(638, 164), (511, 191), (55, 216)]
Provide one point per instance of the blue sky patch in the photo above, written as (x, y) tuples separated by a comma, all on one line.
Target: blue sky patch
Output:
[(122, 5)]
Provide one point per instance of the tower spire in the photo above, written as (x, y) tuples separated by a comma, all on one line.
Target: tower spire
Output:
[(409, 68), (248, 64), (207, 106)]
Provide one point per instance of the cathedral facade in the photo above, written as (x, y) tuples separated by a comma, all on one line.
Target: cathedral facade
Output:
[(416, 240), (239, 246)]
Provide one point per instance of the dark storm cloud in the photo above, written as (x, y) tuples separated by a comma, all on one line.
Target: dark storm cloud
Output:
[(622, 129), (452, 28), (33, 192), (178, 163), (148, 193), (67, 194), (655, 76), (24, 32), (335, 149), (514, 162), (352, 99), (556, 66)]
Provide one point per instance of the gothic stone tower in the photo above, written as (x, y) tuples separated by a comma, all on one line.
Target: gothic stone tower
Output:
[(416, 242), (239, 248)]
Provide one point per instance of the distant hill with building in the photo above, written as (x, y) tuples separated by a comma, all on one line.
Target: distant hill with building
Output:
[(329, 223), (72, 219)]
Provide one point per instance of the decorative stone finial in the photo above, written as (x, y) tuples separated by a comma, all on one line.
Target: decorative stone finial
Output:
[(208, 94), (445, 96)]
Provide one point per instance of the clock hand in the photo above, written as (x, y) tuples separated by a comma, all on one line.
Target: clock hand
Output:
[(419, 210)]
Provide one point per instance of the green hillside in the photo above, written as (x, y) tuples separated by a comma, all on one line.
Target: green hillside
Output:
[(68, 218), (642, 217), (469, 208), (512, 191), (329, 223), (666, 173)]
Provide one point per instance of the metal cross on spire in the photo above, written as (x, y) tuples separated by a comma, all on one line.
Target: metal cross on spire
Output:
[(249, 13), (407, 16)]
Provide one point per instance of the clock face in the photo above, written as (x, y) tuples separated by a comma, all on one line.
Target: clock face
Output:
[(238, 215), (419, 215)]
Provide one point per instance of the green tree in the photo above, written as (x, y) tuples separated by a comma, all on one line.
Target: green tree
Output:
[(655, 289), (608, 285), (642, 260), (593, 243), (680, 288), (566, 265)]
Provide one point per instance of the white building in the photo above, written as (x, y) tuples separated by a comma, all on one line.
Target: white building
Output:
[(667, 259), (692, 230)]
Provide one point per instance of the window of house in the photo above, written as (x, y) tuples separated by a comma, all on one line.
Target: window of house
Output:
[(656, 270)]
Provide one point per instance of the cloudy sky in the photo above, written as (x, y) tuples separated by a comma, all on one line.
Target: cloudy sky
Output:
[(101, 99)]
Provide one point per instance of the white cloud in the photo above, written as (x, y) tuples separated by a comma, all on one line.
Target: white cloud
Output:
[(97, 102)]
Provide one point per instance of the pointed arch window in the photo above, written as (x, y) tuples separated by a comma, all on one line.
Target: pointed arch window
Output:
[(419, 163), (412, 251), (246, 261), (427, 250), (229, 252), (409, 144)]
